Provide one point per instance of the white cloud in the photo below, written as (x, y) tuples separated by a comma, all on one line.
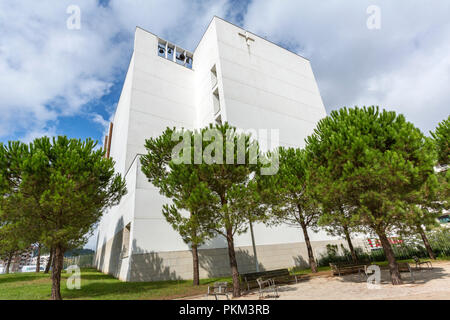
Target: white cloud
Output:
[(37, 133), (404, 66), (48, 71)]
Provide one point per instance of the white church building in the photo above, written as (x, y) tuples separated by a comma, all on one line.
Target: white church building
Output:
[(232, 76)]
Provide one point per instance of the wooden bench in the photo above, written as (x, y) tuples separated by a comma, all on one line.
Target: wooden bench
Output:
[(279, 276), (348, 268), (219, 289), (267, 286), (402, 267), (420, 263)]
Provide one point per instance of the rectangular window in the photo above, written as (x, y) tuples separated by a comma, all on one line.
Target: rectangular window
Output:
[(189, 60), (444, 219), (216, 101), (126, 240), (213, 76), (162, 48), (219, 120), (176, 54), (180, 56), (170, 52)]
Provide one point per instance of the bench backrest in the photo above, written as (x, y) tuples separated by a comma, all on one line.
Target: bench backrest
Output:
[(220, 287), (403, 266), (264, 274), (350, 264), (334, 267)]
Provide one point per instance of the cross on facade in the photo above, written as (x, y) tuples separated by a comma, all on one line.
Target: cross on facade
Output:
[(247, 38)]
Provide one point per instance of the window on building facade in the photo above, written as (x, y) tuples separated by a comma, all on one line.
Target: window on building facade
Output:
[(216, 101), (444, 219), (213, 76), (126, 240), (176, 54), (219, 120)]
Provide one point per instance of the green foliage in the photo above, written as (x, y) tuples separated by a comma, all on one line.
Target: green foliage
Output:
[(441, 137), (181, 184), (57, 190), (288, 192), (412, 246), (62, 186), (382, 164), (214, 190), (378, 159), (289, 195), (98, 286), (208, 180), (11, 243), (438, 237), (227, 182)]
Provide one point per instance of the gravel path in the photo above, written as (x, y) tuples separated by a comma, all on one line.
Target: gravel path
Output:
[(429, 284)]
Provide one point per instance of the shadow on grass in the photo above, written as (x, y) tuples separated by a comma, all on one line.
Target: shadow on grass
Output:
[(216, 262), (103, 286), (99, 277), (14, 277)]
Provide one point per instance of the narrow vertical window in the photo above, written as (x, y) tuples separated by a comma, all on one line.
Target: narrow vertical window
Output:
[(216, 101), (219, 120), (162, 49), (214, 76), (126, 240)]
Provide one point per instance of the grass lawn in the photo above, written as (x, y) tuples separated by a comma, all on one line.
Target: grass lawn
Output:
[(308, 271), (96, 285)]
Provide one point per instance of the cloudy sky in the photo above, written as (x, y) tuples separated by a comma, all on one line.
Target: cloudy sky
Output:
[(54, 80)]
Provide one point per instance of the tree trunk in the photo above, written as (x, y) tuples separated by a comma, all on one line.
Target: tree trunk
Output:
[(254, 246), (196, 277), (38, 261), (233, 264), (49, 262), (8, 264), (57, 266), (350, 244), (426, 243), (393, 266), (312, 261)]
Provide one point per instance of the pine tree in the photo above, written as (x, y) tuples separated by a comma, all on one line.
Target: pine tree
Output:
[(183, 187), (379, 159), (289, 196), (441, 137), (213, 183), (62, 186)]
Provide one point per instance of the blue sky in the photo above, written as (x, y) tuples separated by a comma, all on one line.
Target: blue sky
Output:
[(59, 81)]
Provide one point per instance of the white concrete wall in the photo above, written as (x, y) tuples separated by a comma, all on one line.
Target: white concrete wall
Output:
[(157, 94), (268, 87), (205, 57), (116, 218), (119, 141), (261, 87), (109, 238), (163, 95), (152, 233)]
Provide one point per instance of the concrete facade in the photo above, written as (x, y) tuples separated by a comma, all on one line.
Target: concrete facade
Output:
[(237, 77)]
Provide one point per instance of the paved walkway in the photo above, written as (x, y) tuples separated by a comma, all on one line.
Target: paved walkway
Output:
[(429, 284)]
